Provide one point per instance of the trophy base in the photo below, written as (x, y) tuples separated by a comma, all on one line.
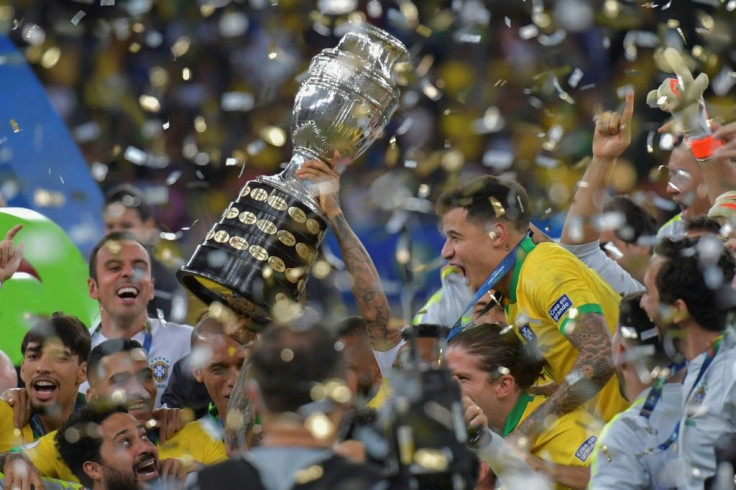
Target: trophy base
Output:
[(259, 252)]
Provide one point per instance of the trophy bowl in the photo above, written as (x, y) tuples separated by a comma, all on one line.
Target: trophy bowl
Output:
[(264, 245)]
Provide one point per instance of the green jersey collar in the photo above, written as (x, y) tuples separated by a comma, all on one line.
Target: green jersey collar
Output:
[(526, 246), (513, 418)]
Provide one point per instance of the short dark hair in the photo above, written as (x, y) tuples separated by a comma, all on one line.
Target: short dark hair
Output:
[(702, 223), (79, 439), (115, 236), (131, 197), (639, 224), (701, 279), (287, 363), (425, 330), (488, 198), (498, 348), (67, 328), (350, 325), (108, 348), (640, 330)]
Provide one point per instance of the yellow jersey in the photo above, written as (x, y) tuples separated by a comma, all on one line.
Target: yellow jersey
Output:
[(549, 288), (11, 437), (569, 440), (191, 441)]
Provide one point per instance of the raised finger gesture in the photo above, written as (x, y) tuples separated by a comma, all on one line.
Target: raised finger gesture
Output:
[(613, 131), (10, 256)]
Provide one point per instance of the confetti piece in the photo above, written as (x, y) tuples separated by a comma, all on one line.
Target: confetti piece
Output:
[(575, 77), (14, 125), (78, 16), (107, 3)]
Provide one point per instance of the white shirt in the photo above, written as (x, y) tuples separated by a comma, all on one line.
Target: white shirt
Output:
[(709, 410), (626, 454), (610, 271), (169, 343)]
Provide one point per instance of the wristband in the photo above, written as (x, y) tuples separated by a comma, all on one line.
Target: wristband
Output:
[(703, 148)]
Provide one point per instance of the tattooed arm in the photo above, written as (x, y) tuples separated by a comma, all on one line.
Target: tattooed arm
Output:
[(593, 368), (366, 283)]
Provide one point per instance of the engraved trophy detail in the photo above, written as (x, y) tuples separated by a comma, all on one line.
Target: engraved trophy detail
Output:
[(266, 241)]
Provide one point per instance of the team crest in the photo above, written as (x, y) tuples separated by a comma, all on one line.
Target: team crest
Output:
[(160, 367), (699, 396)]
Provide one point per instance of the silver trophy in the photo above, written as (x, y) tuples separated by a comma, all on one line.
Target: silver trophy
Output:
[(263, 247)]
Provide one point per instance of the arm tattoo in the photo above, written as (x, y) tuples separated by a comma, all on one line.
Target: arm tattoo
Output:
[(240, 416), (591, 371), (366, 286)]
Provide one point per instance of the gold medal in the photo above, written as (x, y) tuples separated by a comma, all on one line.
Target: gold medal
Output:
[(266, 226), (278, 203), (258, 253), (313, 226), (238, 243), (222, 236), (276, 264), (303, 250), (232, 213), (286, 238), (297, 214), (259, 194), (247, 218)]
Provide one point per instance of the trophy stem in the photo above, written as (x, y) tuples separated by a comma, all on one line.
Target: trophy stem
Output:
[(304, 190)]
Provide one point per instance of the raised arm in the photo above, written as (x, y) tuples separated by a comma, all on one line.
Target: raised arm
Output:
[(590, 373), (611, 137), (366, 283)]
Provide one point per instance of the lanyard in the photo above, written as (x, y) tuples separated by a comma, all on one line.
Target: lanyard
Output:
[(499, 272), (147, 336), (37, 425), (709, 356), (214, 414), (655, 394)]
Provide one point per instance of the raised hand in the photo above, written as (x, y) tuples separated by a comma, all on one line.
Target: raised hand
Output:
[(327, 181), (10, 256), (613, 131)]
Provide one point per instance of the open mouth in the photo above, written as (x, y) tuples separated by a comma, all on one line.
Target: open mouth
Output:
[(128, 293), (147, 468), (138, 405), (44, 389)]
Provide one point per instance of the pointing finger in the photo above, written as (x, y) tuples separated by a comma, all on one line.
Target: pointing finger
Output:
[(628, 110), (12, 232)]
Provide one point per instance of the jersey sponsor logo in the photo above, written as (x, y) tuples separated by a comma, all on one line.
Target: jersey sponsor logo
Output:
[(586, 448), (160, 367), (527, 333), (560, 307)]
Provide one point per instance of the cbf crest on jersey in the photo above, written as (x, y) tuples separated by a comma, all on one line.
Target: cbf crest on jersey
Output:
[(160, 367)]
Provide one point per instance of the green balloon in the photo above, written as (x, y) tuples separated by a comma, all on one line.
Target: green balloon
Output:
[(60, 285)]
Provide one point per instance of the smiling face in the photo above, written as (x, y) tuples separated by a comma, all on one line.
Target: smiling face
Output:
[(52, 375), (218, 360), (685, 184), (128, 458), (469, 247), (123, 285), (125, 377)]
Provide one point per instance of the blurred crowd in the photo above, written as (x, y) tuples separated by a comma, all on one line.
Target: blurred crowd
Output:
[(578, 158)]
